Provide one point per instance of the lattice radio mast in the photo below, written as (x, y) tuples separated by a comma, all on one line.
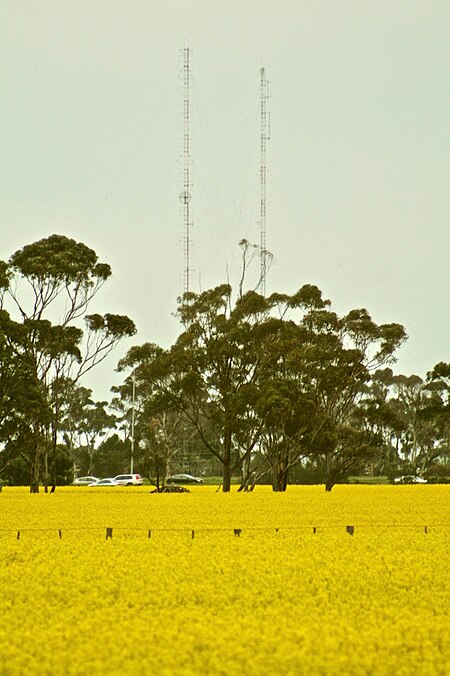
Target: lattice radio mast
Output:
[(265, 135), (186, 193)]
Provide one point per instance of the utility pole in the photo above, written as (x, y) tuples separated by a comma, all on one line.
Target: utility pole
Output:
[(132, 424)]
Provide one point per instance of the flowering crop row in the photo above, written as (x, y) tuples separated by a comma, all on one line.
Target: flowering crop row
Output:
[(268, 602)]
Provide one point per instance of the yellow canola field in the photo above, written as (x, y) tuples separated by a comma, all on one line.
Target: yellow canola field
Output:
[(293, 593)]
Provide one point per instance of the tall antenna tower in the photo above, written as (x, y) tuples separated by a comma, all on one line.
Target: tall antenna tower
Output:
[(265, 135), (186, 192)]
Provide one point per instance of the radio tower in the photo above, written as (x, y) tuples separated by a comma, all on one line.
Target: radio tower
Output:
[(186, 193), (265, 135)]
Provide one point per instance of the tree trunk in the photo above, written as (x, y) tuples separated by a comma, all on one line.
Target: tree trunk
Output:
[(329, 483), (54, 458), (226, 460), (91, 460), (246, 474), (280, 474), (46, 464), (46, 472), (329, 475), (275, 484), (284, 477), (226, 478), (34, 468)]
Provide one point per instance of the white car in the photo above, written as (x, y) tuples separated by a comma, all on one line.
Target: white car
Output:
[(409, 479), (104, 482), (85, 481), (129, 479)]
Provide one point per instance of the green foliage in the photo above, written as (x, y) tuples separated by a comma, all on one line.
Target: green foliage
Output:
[(62, 276), (265, 382), (58, 259)]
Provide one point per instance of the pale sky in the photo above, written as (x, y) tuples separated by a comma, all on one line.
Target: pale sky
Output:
[(357, 163)]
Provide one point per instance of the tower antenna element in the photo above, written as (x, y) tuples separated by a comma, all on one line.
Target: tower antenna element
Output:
[(265, 135), (186, 192)]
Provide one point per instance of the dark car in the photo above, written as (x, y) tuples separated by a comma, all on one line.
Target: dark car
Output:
[(183, 479)]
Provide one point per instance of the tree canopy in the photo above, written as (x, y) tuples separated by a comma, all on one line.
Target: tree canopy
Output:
[(265, 382), (55, 277)]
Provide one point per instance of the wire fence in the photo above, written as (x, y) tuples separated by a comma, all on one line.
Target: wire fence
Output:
[(108, 532)]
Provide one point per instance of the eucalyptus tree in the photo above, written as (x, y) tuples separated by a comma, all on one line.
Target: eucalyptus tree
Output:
[(437, 411), (273, 379), (112, 456), (410, 417), (161, 443), (422, 407), (12, 380), (24, 408), (285, 403), (345, 354), (426, 406), (208, 375), (159, 434), (130, 397), (311, 404), (382, 415), (285, 412), (85, 423), (25, 413), (46, 288)]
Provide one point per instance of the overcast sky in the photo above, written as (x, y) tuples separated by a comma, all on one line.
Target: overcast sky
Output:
[(357, 163)]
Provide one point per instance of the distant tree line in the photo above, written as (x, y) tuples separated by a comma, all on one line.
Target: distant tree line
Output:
[(258, 389), (281, 388)]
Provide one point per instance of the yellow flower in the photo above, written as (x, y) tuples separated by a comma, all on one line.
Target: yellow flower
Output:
[(225, 584)]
